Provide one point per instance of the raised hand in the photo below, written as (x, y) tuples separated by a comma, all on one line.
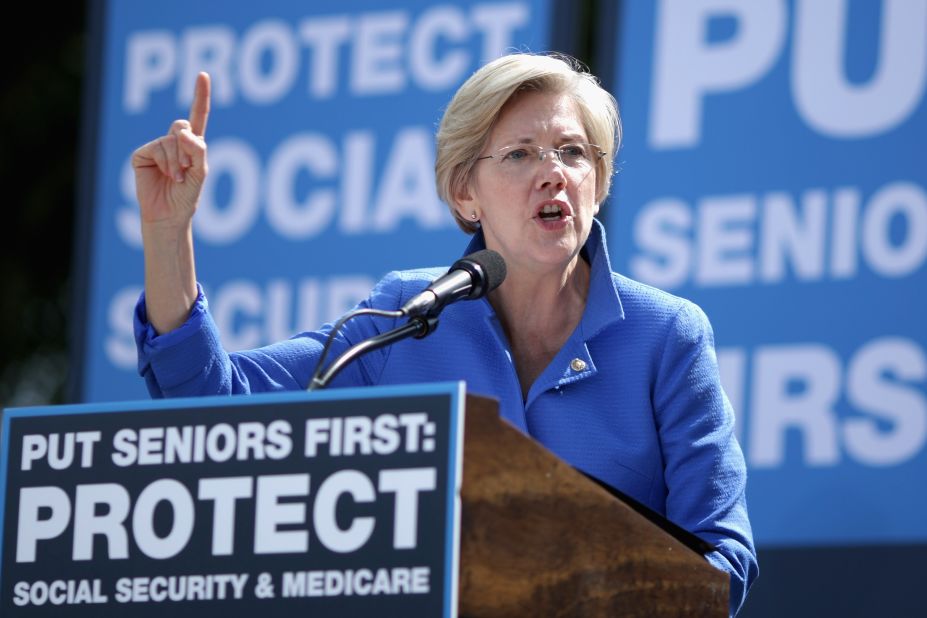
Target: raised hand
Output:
[(169, 176), (170, 170)]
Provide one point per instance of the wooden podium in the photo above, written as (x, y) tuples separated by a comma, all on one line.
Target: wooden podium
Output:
[(540, 539)]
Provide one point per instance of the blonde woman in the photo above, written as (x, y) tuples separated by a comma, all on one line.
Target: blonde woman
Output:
[(617, 378)]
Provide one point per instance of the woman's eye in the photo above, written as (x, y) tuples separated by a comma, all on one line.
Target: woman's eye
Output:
[(574, 151), (517, 154)]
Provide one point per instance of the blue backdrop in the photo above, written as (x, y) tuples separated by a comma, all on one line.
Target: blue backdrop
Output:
[(321, 155), (773, 171)]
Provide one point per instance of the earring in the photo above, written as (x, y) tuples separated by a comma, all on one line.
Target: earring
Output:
[(473, 215)]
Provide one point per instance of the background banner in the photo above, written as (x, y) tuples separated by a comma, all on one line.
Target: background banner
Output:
[(773, 171), (321, 154)]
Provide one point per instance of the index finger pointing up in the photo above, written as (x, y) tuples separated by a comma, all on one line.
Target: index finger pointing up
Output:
[(199, 111)]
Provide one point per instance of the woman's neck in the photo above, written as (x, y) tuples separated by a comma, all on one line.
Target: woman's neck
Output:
[(538, 311)]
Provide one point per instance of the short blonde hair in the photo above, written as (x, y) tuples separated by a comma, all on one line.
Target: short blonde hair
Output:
[(472, 113)]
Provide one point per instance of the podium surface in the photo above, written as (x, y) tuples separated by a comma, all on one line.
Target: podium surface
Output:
[(538, 538)]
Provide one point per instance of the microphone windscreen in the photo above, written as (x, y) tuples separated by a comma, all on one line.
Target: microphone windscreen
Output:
[(492, 267)]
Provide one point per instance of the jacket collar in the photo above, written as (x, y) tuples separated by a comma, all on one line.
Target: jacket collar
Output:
[(603, 305), (574, 361)]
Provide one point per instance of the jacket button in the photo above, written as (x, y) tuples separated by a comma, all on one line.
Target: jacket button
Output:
[(577, 364)]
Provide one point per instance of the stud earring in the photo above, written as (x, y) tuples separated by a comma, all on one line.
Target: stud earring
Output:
[(473, 215)]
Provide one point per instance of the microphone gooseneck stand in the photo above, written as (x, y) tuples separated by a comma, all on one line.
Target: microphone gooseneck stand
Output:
[(417, 327), (469, 278)]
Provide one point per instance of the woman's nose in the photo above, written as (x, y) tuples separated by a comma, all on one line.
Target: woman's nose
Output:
[(550, 171)]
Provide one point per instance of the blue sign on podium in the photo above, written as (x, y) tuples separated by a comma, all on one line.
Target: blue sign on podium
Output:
[(330, 503)]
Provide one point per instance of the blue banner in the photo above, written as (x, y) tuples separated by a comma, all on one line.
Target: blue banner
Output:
[(773, 172), (321, 154)]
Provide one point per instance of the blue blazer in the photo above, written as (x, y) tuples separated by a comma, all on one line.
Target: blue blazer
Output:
[(633, 398)]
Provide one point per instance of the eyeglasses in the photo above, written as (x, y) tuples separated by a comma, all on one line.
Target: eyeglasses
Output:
[(520, 157)]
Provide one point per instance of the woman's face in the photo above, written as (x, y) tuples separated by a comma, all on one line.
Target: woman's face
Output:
[(537, 214)]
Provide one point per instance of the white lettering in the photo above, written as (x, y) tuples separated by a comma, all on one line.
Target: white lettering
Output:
[(376, 67), (879, 381), (270, 513), (835, 106), (908, 203), (373, 53), (406, 484), (224, 492), (407, 188), (687, 67), (726, 234), (723, 241), (30, 529), (795, 387), (210, 49), (273, 39), (87, 523), (448, 23), (790, 232), (326, 501), (290, 218), (224, 224), (151, 62), (181, 502)]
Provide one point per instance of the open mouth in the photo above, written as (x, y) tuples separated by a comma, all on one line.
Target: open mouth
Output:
[(552, 212)]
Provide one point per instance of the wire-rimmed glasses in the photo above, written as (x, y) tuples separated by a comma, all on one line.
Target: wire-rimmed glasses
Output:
[(579, 156)]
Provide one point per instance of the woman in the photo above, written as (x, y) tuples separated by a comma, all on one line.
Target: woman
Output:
[(617, 378)]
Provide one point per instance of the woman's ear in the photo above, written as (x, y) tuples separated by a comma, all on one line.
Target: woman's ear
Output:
[(464, 203)]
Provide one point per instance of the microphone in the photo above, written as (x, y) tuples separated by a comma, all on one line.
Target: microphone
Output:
[(469, 278)]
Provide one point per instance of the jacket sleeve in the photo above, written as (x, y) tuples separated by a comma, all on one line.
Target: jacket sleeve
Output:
[(704, 467), (190, 360)]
